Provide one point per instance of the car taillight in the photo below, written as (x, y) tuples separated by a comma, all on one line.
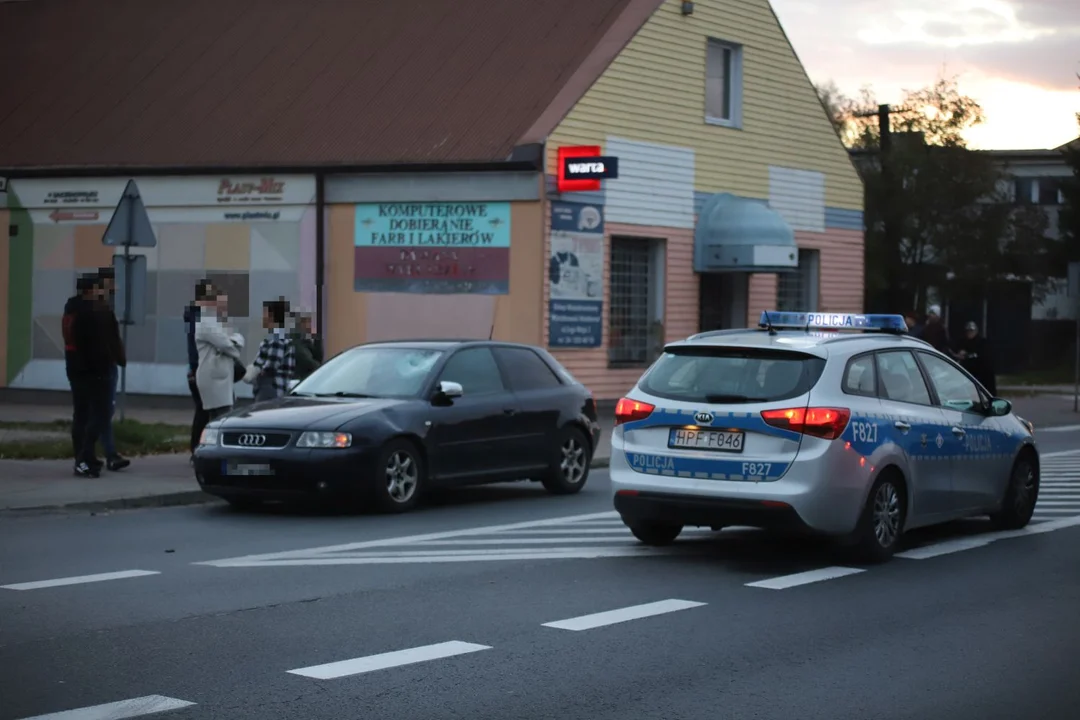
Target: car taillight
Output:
[(630, 410), (828, 423)]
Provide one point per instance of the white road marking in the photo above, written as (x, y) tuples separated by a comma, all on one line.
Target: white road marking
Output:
[(136, 707), (1059, 453), (804, 578), (79, 580), (478, 556), (634, 612), (371, 663), (970, 543), (253, 560)]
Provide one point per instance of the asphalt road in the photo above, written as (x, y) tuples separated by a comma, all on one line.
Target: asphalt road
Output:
[(455, 612)]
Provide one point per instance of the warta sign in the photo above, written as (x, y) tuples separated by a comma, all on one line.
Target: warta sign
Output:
[(581, 168)]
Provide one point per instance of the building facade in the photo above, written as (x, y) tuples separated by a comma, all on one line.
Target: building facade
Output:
[(733, 193)]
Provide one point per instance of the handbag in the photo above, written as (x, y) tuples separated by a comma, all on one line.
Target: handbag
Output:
[(238, 370)]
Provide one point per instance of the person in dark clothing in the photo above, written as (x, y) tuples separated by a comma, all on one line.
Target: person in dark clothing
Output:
[(76, 304), (93, 358), (974, 354), (308, 353), (199, 421), (914, 327), (934, 332), (117, 359)]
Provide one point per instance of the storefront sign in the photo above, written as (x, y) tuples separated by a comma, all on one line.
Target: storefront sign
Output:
[(267, 189), (591, 168), (437, 248), (569, 184), (576, 276)]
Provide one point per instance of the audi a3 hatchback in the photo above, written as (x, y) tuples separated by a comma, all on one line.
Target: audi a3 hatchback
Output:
[(386, 421), (836, 424)]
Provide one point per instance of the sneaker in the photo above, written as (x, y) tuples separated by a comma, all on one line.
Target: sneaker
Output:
[(84, 470), (118, 463)]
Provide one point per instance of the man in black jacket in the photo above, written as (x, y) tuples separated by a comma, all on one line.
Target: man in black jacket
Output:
[(93, 357), (77, 303), (975, 357)]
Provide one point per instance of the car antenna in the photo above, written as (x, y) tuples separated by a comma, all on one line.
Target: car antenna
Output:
[(494, 314), (768, 323)]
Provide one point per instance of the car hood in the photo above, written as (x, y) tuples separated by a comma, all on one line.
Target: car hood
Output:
[(303, 413)]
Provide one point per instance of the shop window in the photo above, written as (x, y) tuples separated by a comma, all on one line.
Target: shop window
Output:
[(723, 83), (798, 291), (635, 319)]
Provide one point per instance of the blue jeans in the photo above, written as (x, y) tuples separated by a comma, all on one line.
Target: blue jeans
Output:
[(107, 442)]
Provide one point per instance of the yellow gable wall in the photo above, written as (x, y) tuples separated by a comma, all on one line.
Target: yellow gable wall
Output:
[(655, 91)]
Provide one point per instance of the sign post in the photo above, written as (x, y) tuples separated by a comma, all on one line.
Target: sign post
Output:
[(130, 227)]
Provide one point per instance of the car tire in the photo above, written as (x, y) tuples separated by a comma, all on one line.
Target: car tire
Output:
[(400, 474), (882, 522), (243, 503), (1021, 496), (655, 534), (569, 465)]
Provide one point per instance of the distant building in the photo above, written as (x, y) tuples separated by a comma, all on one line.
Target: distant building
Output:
[(395, 165)]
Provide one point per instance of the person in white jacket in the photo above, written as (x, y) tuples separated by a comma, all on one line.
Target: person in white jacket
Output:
[(219, 351)]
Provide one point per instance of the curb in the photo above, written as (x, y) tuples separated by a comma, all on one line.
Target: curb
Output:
[(193, 497)]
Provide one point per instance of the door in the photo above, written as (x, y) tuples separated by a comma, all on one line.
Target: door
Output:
[(917, 426), (542, 401), (473, 436), (979, 476)]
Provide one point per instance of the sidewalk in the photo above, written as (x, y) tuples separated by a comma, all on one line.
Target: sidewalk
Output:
[(154, 480)]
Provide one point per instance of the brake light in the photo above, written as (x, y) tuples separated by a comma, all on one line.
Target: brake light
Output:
[(630, 410), (828, 423)]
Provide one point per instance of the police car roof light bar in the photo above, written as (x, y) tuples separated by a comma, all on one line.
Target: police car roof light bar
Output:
[(832, 321)]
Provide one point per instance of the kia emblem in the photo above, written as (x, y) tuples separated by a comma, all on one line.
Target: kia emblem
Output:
[(703, 418)]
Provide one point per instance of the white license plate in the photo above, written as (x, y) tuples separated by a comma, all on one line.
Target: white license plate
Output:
[(722, 440), (232, 468)]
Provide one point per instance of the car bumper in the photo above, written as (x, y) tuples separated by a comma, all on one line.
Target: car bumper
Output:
[(822, 492), (293, 473)]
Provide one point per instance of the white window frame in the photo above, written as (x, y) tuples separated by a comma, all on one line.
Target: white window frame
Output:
[(809, 278), (649, 327), (734, 82)]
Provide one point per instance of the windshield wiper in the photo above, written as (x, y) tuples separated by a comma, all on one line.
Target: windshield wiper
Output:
[(732, 399), (301, 394), (342, 394)]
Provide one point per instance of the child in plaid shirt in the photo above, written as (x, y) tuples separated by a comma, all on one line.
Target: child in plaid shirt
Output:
[(275, 363)]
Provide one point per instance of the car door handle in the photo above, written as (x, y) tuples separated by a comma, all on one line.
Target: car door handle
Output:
[(959, 432), (901, 426)]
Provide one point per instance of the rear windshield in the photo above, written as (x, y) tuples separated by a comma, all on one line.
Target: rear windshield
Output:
[(731, 375)]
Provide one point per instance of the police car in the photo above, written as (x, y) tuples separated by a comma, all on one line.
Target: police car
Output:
[(837, 424)]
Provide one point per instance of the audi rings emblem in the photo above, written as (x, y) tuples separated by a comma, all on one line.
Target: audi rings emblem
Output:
[(252, 440)]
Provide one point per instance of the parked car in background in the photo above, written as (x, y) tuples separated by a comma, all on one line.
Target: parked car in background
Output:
[(384, 422)]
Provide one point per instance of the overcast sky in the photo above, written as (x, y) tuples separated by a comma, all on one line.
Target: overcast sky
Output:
[(1018, 58)]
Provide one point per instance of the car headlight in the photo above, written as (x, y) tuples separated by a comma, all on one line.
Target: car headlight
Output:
[(210, 436), (324, 440), (1028, 424)]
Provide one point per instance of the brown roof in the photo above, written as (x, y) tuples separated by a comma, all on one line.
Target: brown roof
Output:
[(235, 83)]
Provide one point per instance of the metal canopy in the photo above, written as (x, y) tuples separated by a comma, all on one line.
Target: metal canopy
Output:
[(735, 234)]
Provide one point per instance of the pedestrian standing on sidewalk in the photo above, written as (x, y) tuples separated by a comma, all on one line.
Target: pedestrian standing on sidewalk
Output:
[(219, 351), (305, 345), (117, 359), (934, 331), (93, 358), (83, 297), (275, 363), (203, 297)]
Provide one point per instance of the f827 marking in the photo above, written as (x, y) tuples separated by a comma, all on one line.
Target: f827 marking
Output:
[(866, 432), (756, 469)]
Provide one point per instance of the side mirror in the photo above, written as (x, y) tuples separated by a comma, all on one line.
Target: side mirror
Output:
[(1000, 407), (449, 390)]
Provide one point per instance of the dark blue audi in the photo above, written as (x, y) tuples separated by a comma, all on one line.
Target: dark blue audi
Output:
[(383, 422)]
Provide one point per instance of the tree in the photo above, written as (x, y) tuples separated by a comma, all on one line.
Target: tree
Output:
[(936, 213)]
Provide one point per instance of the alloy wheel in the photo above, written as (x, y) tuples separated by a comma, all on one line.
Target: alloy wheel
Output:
[(886, 515), (402, 476), (572, 464), (1025, 488)]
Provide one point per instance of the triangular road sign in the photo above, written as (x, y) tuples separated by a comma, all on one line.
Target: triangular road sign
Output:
[(130, 225)]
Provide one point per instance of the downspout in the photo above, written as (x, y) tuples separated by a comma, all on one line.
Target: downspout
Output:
[(320, 259)]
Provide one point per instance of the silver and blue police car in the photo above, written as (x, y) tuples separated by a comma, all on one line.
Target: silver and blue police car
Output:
[(839, 424)]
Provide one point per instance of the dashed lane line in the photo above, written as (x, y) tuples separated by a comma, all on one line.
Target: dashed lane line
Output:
[(79, 580), (383, 661), (133, 708), (612, 617)]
